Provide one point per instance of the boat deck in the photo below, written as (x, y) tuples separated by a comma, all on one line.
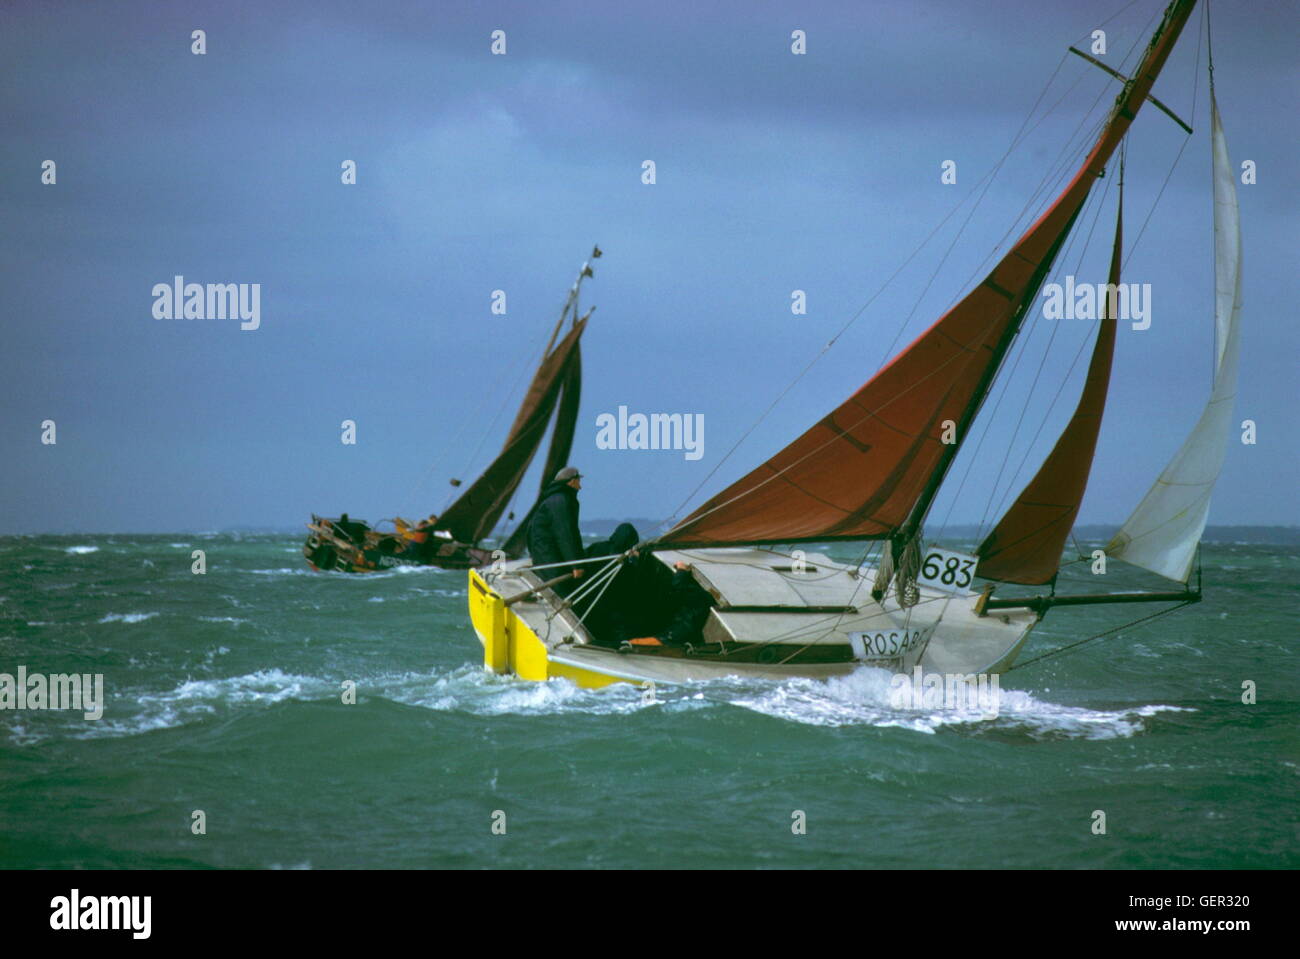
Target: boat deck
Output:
[(775, 608)]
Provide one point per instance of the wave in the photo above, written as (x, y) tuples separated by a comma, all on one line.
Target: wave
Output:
[(81, 550), (863, 698), (128, 617), (198, 699)]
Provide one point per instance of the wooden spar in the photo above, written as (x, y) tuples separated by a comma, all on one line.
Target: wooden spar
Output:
[(549, 584), (572, 301), (1122, 114), (1123, 79), (1041, 604), (922, 507)]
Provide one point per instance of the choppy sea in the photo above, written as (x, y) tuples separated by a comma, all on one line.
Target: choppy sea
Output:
[(224, 694)]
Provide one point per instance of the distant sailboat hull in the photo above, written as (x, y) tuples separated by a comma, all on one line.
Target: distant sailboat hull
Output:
[(328, 549), (451, 541)]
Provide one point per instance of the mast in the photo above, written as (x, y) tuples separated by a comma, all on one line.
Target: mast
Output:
[(1127, 103), (477, 510), (871, 467), (1025, 546)]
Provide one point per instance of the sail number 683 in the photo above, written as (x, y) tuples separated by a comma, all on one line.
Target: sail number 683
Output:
[(942, 568)]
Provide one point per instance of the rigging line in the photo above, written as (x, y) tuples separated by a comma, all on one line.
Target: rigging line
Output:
[(806, 627), (839, 618), (1046, 191), (1021, 351), (1078, 548), (1012, 484), (869, 414), (589, 582), (505, 401), (570, 307), (1196, 83), (872, 413), (466, 423), (854, 318), (1061, 168), (1056, 173), (1124, 260), (1209, 50), (605, 573), (813, 362), (987, 181), (1022, 348), (576, 562), (1102, 635), (1061, 163), (596, 601)]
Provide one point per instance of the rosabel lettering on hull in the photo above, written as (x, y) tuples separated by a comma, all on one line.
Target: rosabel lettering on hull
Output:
[(75, 912)]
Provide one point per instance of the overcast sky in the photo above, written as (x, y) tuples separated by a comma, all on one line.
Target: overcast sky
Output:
[(476, 172)]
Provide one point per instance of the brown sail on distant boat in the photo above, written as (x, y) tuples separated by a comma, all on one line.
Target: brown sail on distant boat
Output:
[(453, 540)]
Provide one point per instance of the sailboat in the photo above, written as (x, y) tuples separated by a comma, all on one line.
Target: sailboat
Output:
[(455, 539), (869, 471)]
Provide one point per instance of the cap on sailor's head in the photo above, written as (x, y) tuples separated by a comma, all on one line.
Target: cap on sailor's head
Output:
[(566, 474)]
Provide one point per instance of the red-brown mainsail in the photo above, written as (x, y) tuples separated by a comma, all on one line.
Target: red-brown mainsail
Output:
[(870, 469)]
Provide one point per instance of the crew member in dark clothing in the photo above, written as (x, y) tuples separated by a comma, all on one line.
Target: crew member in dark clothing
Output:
[(689, 603), (620, 613), (553, 535), (683, 610), (621, 540), (351, 529)]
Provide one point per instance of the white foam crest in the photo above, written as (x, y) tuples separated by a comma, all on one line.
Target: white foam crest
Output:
[(472, 690), (128, 617), (197, 699), (368, 577), (864, 698), (81, 550)]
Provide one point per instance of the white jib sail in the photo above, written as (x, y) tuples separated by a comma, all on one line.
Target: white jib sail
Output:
[(1164, 530)]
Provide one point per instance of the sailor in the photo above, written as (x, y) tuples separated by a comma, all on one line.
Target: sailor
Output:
[(351, 529), (553, 535), (620, 541), (619, 614), (688, 605)]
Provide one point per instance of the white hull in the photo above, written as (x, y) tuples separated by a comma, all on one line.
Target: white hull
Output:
[(769, 606)]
